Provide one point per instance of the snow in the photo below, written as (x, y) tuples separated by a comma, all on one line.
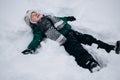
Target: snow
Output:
[(99, 18)]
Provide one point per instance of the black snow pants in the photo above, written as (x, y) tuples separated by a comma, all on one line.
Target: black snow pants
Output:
[(73, 46)]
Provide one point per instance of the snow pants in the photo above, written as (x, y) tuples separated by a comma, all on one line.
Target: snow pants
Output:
[(73, 46)]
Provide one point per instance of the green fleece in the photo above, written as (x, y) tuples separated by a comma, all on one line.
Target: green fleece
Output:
[(38, 36)]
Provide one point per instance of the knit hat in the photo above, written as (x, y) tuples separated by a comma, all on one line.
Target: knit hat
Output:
[(27, 17)]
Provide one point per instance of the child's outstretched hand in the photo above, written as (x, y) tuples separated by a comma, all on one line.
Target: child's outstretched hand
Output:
[(28, 51), (71, 18)]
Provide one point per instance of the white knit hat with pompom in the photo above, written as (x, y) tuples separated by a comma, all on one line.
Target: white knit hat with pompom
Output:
[(27, 17)]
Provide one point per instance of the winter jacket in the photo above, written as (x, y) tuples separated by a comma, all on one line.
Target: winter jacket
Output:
[(38, 36)]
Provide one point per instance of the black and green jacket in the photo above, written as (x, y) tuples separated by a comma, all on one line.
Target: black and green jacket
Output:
[(38, 35)]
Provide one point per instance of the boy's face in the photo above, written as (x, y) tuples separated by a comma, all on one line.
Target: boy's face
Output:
[(35, 17)]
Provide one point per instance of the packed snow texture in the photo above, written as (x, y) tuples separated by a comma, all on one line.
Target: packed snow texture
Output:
[(100, 18)]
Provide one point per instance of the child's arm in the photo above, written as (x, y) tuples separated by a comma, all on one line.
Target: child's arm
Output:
[(69, 18), (37, 38)]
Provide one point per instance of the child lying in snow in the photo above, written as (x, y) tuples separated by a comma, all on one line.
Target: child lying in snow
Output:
[(57, 29)]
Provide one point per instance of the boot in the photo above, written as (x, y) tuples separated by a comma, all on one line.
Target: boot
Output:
[(93, 66), (117, 47)]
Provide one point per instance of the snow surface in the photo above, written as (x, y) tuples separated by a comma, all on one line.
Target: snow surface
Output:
[(99, 18)]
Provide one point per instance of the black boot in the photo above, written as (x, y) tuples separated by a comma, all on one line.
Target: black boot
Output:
[(117, 47), (93, 66)]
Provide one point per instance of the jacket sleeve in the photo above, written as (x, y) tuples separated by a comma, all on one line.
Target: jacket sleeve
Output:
[(68, 18), (63, 18), (37, 38)]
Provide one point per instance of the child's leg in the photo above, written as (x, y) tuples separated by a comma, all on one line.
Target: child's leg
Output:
[(88, 39), (105, 46), (82, 57)]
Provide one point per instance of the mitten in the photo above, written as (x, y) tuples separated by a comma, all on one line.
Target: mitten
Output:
[(28, 51), (71, 18)]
